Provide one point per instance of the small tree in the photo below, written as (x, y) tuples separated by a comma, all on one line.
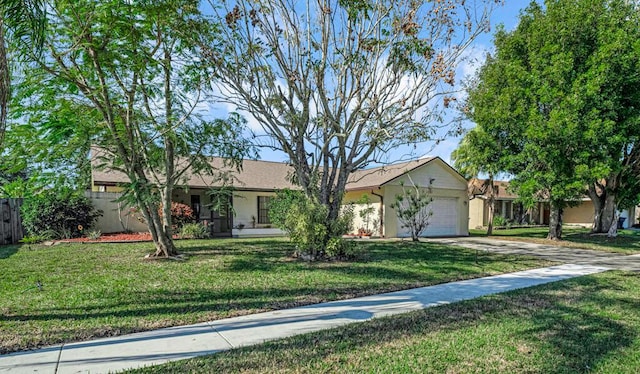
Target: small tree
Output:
[(411, 207), (365, 214)]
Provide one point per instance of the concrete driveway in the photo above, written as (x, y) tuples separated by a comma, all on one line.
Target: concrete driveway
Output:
[(548, 252)]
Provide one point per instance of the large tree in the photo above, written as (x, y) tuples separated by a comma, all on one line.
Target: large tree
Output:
[(132, 63), (60, 135), (336, 84), (559, 94)]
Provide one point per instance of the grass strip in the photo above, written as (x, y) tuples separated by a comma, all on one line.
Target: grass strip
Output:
[(98, 290)]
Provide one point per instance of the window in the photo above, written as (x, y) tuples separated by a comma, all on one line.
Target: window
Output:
[(263, 209)]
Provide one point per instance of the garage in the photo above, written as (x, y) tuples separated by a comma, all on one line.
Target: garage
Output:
[(443, 222), (383, 185)]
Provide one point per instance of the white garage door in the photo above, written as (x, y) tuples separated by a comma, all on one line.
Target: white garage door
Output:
[(443, 222)]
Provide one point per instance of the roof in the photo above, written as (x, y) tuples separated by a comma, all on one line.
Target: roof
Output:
[(254, 175), (376, 177), (477, 187), (268, 175)]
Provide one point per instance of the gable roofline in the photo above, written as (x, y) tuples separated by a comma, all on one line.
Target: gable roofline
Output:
[(379, 176), (431, 159)]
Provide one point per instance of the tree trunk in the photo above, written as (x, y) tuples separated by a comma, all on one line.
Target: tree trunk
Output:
[(161, 238), (491, 202), (598, 206), (604, 205), (555, 222), (613, 229), (608, 216)]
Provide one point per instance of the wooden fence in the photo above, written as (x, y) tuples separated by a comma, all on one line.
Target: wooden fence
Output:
[(10, 221)]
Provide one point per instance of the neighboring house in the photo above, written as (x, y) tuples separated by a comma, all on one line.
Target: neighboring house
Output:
[(246, 213), (506, 206)]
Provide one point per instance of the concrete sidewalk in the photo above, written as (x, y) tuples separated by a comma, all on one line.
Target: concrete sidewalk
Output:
[(177, 343)]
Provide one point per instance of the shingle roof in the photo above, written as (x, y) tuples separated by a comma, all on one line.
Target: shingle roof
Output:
[(266, 175), (255, 175), (378, 176), (475, 188)]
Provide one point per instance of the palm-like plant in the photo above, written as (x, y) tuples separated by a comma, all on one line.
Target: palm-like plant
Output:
[(478, 154), (22, 21)]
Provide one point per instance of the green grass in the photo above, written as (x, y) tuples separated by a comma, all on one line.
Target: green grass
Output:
[(97, 290), (587, 324), (627, 241)]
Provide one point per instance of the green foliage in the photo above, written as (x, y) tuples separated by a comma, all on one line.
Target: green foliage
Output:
[(477, 153), (501, 221), (411, 207), (280, 206), (59, 214), (556, 98), (94, 234), (306, 224), (341, 249), (137, 82), (194, 231), (33, 239), (220, 197)]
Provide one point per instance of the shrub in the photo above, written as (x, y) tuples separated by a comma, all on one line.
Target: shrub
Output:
[(33, 239), (58, 214), (181, 214), (307, 225), (500, 221), (194, 231), (94, 234)]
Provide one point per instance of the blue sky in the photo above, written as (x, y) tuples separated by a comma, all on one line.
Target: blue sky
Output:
[(508, 16)]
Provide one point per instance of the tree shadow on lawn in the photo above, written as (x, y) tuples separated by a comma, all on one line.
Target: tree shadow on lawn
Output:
[(144, 311), (7, 251), (167, 303), (563, 336), (625, 240), (262, 248)]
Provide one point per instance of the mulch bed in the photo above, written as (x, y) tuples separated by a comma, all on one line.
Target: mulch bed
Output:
[(113, 238)]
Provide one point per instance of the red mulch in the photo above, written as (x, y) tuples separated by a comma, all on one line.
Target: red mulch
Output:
[(115, 237)]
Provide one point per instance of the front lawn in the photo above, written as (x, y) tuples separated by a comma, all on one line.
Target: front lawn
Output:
[(584, 325), (96, 290), (627, 241)]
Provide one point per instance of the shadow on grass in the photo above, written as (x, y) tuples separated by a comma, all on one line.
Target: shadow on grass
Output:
[(565, 334), (167, 303), (625, 240), (7, 251)]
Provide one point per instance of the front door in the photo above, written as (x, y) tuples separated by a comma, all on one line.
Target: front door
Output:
[(195, 206), (221, 217)]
